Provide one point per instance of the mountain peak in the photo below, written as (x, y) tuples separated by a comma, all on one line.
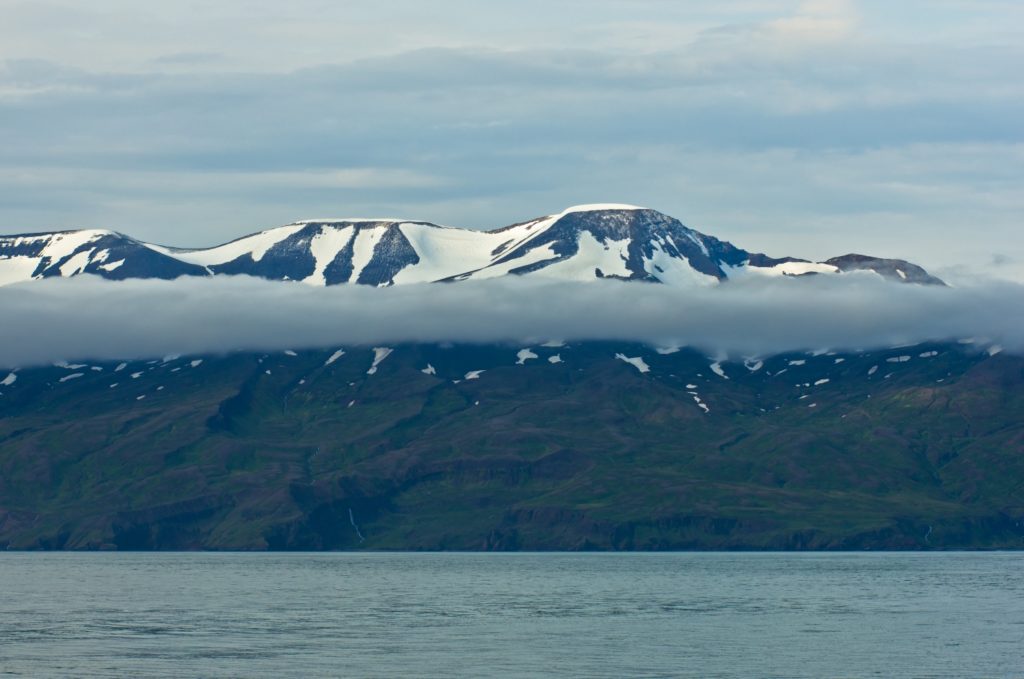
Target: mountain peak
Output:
[(582, 242), (898, 270)]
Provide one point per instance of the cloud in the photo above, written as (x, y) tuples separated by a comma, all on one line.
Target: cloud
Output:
[(188, 58), (89, 318), (816, 21), (481, 138), (774, 123)]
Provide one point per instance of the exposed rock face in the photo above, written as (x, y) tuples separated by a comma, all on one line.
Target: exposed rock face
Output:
[(645, 234), (103, 253), (898, 270)]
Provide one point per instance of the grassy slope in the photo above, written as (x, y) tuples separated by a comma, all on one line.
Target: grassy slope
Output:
[(588, 453)]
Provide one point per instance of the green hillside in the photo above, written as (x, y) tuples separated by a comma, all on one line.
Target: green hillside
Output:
[(280, 451)]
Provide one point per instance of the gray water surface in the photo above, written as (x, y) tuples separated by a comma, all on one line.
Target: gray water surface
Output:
[(599, 615)]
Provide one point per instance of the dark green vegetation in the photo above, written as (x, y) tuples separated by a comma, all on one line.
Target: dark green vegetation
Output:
[(285, 452)]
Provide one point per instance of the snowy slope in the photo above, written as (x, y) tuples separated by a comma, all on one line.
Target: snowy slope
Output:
[(96, 251), (584, 242)]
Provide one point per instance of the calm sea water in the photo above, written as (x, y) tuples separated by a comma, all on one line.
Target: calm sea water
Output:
[(599, 615)]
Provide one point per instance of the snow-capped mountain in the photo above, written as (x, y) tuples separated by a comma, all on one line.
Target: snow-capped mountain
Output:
[(581, 243)]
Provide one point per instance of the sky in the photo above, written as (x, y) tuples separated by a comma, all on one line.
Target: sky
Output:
[(803, 128), (83, 318)]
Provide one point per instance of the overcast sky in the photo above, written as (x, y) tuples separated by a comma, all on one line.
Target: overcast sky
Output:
[(795, 128)]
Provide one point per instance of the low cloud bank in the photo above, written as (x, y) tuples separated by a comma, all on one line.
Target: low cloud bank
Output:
[(88, 318)]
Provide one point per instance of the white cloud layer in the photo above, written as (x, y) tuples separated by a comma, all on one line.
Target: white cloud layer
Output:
[(90, 318)]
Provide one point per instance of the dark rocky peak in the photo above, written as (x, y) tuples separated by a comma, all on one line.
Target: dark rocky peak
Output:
[(898, 270), (650, 234)]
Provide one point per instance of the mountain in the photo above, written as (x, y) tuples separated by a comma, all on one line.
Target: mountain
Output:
[(581, 446), (892, 269), (580, 243), (591, 445)]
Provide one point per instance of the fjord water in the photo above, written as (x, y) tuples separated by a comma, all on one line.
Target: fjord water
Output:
[(459, 614)]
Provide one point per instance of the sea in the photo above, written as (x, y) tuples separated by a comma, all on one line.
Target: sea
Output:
[(934, 614)]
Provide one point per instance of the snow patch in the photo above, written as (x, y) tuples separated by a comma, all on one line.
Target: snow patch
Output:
[(596, 207), (716, 368), (363, 248), (637, 362), (75, 264), (72, 376), (446, 252), (379, 354), (591, 254), (324, 247), (787, 269), (897, 359), (673, 270), (17, 269), (9, 380), (255, 245), (524, 355), (557, 358), (335, 356), (537, 254), (429, 370), (473, 375)]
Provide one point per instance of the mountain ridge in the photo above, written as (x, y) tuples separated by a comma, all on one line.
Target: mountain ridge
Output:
[(580, 243)]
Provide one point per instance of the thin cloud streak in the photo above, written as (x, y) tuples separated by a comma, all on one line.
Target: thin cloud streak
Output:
[(89, 318)]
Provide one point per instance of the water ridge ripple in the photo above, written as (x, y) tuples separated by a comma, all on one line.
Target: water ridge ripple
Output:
[(599, 615)]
